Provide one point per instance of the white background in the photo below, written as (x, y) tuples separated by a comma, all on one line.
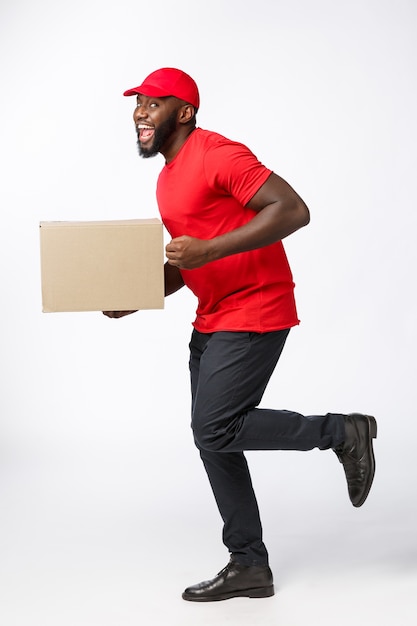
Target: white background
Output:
[(106, 514)]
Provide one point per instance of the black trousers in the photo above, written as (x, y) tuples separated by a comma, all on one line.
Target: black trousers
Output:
[(229, 373)]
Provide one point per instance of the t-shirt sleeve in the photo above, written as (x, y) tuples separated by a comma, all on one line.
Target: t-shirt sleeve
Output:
[(233, 169)]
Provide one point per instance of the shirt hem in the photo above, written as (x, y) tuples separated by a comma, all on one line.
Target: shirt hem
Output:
[(245, 329)]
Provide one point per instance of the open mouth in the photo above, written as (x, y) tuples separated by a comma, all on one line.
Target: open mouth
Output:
[(145, 132)]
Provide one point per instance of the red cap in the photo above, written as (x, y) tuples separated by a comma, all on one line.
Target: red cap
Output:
[(168, 81)]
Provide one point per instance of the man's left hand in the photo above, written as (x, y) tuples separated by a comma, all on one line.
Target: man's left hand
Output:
[(188, 253)]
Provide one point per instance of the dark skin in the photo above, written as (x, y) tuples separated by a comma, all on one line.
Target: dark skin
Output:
[(279, 209)]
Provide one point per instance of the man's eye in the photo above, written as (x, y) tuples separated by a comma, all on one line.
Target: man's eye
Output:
[(153, 105)]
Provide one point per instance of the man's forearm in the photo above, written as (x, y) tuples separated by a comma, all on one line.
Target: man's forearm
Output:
[(273, 223), (172, 278)]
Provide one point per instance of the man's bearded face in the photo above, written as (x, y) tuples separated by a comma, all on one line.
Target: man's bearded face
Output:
[(162, 134)]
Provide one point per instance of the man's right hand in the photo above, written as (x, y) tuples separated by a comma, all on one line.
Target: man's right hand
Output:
[(117, 314)]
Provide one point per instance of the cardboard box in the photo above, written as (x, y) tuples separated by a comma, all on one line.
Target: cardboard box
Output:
[(102, 266)]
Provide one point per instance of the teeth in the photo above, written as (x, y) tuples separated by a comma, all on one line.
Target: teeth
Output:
[(144, 126)]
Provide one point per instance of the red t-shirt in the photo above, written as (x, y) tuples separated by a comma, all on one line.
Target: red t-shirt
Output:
[(202, 192)]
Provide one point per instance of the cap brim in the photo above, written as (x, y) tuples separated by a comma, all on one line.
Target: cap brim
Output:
[(147, 90)]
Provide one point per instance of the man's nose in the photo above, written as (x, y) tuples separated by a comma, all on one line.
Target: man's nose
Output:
[(139, 113)]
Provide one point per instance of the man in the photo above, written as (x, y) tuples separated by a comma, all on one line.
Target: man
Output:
[(227, 215)]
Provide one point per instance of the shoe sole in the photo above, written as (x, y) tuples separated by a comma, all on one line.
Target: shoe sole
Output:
[(372, 432), (257, 592)]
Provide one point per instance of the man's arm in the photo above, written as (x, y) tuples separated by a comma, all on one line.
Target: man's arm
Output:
[(280, 212), (173, 279)]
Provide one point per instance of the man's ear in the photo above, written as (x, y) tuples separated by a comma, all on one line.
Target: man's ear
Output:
[(186, 113)]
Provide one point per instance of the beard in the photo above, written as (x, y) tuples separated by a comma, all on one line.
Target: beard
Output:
[(162, 134)]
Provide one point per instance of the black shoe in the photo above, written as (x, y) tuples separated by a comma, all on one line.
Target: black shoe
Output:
[(233, 581), (357, 456)]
